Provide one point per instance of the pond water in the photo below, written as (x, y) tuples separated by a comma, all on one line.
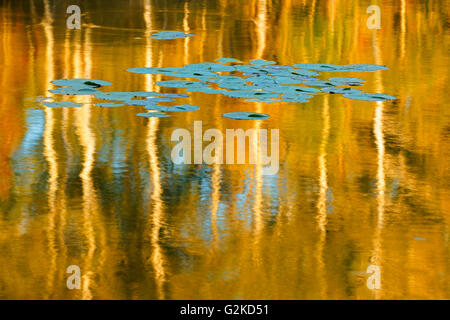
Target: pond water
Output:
[(359, 183)]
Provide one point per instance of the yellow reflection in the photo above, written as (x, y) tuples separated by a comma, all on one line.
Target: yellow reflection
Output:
[(322, 201), (49, 150), (186, 30), (379, 141), (157, 257), (261, 28)]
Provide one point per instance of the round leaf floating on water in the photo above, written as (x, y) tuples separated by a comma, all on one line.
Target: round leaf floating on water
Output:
[(369, 96), (174, 95), (178, 108), (151, 70), (364, 67), (245, 115), (319, 66), (81, 82), (251, 94), (180, 84), (75, 91), (166, 35), (228, 60), (153, 115), (61, 104), (348, 81), (262, 62), (340, 90), (109, 104)]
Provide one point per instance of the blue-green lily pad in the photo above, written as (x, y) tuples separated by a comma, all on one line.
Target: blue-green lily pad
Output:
[(262, 62), (228, 60), (321, 83), (340, 90), (165, 35), (151, 70), (369, 96), (251, 94), (208, 66), (318, 66), (178, 108), (174, 95), (93, 83), (79, 90), (109, 104), (153, 115), (363, 67), (347, 81), (61, 104), (180, 84), (245, 115)]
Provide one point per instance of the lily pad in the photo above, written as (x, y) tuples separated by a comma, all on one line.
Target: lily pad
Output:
[(228, 60), (208, 66), (79, 90), (61, 104), (109, 104), (178, 108), (150, 70), (347, 81), (153, 115), (165, 35), (321, 83), (262, 62), (174, 95), (122, 96), (180, 84), (251, 94), (318, 66), (364, 67), (245, 115), (81, 82), (206, 90), (340, 90), (369, 96)]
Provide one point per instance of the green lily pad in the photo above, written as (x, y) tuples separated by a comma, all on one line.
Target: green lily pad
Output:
[(318, 66), (109, 104), (180, 84), (369, 96), (61, 104), (245, 115), (363, 67), (81, 82), (80, 90), (347, 81), (340, 90), (208, 66), (150, 70), (251, 94), (262, 62), (178, 108), (153, 115), (166, 35), (228, 60), (321, 83)]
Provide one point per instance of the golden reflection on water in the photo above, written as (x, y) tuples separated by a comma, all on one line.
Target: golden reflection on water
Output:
[(359, 182)]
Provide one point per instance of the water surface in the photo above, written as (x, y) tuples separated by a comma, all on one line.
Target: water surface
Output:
[(360, 182)]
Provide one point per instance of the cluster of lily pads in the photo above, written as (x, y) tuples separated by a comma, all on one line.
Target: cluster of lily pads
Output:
[(258, 81), (264, 81)]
